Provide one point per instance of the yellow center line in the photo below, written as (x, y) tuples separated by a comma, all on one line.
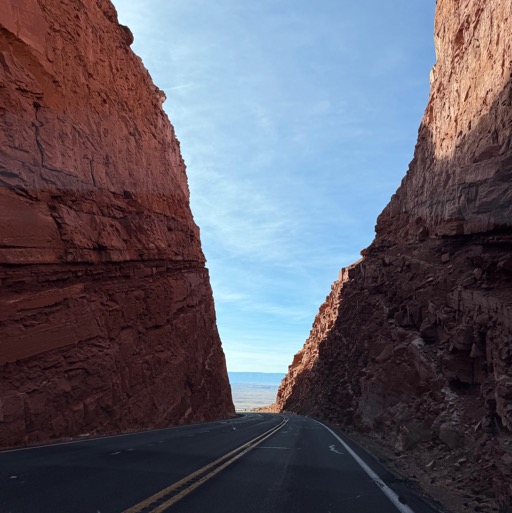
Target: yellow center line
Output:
[(219, 464)]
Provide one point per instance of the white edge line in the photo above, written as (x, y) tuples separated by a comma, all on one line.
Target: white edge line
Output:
[(390, 494)]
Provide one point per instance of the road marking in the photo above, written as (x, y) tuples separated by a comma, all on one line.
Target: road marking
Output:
[(388, 492), (165, 498), (333, 449)]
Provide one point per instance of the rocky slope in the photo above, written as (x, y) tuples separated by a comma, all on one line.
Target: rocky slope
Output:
[(107, 321), (414, 343)]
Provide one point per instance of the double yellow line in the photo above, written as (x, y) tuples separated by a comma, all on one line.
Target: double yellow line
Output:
[(165, 498)]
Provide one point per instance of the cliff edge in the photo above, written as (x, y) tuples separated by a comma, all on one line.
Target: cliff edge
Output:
[(107, 320), (414, 344)]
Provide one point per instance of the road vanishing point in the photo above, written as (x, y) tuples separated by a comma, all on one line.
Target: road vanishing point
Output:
[(255, 463)]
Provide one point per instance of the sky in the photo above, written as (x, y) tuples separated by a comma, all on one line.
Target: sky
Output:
[(297, 121)]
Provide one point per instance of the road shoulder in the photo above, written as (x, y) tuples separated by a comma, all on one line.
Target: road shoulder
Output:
[(408, 490)]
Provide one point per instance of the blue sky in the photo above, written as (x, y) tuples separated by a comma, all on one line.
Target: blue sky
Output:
[(297, 121)]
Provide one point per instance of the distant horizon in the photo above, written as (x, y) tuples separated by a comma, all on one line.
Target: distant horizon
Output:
[(254, 389)]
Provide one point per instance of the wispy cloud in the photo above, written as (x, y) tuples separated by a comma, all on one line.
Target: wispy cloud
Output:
[(178, 87), (297, 122)]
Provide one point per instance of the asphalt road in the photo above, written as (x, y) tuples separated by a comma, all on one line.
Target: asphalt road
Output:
[(298, 466)]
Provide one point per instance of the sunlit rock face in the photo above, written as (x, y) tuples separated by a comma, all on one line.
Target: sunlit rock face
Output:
[(414, 343), (107, 321)]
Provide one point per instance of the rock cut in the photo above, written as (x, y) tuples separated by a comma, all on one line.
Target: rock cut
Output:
[(107, 320), (414, 343)]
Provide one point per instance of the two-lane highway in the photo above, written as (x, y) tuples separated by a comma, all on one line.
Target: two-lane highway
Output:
[(261, 463)]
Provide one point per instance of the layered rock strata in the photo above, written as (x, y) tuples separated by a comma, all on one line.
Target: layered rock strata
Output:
[(414, 343), (107, 320)]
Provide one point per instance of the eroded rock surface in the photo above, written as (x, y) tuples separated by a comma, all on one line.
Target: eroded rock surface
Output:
[(107, 320), (414, 343)]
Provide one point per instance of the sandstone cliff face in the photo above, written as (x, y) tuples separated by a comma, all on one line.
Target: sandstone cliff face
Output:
[(107, 320), (414, 343)]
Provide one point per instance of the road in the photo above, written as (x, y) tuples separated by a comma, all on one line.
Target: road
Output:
[(262, 463)]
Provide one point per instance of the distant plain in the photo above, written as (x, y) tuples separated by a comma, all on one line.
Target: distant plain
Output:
[(254, 389)]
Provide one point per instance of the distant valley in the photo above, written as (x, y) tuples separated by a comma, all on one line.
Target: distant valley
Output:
[(254, 389)]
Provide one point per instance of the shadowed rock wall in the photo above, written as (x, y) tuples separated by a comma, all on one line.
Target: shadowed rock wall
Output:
[(107, 320), (414, 343)]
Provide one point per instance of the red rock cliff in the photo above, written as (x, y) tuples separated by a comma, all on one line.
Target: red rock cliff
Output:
[(107, 321), (414, 344)]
